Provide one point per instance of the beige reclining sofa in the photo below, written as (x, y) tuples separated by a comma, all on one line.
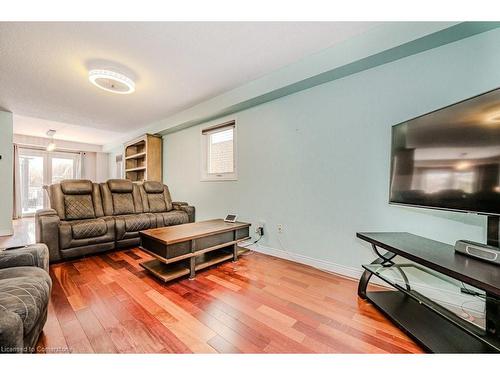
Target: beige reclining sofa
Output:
[(87, 218)]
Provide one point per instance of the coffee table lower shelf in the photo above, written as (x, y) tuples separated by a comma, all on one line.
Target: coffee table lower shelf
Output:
[(169, 272)]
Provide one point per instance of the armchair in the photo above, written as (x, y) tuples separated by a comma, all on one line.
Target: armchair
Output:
[(25, 288)]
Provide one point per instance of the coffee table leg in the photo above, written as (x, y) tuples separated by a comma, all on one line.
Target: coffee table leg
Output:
[(235, 248), (235, 253), (192, 264)]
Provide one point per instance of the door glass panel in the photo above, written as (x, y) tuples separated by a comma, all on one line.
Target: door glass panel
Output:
[(31, 169), (62, 169), (39, 168)]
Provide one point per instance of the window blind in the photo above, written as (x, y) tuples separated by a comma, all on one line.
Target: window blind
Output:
[(228, 124)]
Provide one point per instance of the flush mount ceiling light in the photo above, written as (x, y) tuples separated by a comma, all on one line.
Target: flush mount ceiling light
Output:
[(52, 145), (111, 81)]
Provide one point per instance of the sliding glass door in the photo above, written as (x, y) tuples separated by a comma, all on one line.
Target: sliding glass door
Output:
[(31, 163), (62, 167), (39, 168)]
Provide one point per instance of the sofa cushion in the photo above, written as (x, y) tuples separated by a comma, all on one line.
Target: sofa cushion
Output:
[(120, 186), (165, 219), (157, 202), (89, 228), (153, 187), (120, 197), (86, 232), (76, 187), (121, 194), (123, 203), (79, 207), (25, 291), (126, 224), (135, 223), (155, 197)]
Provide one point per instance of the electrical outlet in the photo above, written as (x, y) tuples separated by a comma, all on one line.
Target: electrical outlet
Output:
[(259, 228), (280, 228)]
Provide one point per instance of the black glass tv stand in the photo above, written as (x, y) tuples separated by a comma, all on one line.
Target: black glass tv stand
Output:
[(434, 327)]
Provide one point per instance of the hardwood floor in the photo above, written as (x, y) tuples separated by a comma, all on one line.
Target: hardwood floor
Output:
[(110, 304)]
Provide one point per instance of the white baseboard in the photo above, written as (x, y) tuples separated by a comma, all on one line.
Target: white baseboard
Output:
[(351, 272), (442, 296)]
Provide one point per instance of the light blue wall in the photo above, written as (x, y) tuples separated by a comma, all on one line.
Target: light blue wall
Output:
[(318, 161), (6, 174)]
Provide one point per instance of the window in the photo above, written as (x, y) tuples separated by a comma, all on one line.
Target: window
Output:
[(62, 169), (219, 152)]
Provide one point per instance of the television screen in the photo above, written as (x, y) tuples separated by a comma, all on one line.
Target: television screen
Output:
[(450, 158)]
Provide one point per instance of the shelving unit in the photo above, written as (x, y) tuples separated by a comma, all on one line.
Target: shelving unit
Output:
[(143, 158), (437, 328)]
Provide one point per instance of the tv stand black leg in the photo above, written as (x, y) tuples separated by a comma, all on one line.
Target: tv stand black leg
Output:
[(492, 316), (493, 232), (365, 277), (363, 283)]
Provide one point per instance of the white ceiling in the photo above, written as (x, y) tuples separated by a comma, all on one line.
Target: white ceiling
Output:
[(43, 66)]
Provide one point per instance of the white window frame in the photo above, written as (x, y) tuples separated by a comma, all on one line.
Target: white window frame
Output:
[(205, 138)]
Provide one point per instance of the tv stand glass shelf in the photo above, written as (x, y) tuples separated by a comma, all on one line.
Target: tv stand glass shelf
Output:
[(453, 300), (446, 301)]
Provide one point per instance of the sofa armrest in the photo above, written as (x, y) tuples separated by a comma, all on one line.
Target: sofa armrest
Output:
[(47, 231), (184, 206), (36, 255), (46, 212), (11, 333), (180, 203)]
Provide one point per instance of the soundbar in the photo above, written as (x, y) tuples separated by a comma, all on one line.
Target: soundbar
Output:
[(479, 251)]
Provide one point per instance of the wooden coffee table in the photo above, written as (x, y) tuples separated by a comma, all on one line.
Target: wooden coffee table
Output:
[(184, 249)]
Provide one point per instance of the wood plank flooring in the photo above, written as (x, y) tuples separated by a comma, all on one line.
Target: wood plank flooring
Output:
[(260, 304)]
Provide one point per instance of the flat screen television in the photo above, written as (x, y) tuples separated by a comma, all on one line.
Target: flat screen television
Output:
[(450, 159)]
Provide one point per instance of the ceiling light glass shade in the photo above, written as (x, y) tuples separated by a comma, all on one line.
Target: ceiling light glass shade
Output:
[(51, 146), (111, 81)]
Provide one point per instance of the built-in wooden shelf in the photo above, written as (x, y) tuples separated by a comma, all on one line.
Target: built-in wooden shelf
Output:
[(143, 158), (140, 155), (135, 169)]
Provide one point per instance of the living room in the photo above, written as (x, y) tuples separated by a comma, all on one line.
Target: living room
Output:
[(250, 187)]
